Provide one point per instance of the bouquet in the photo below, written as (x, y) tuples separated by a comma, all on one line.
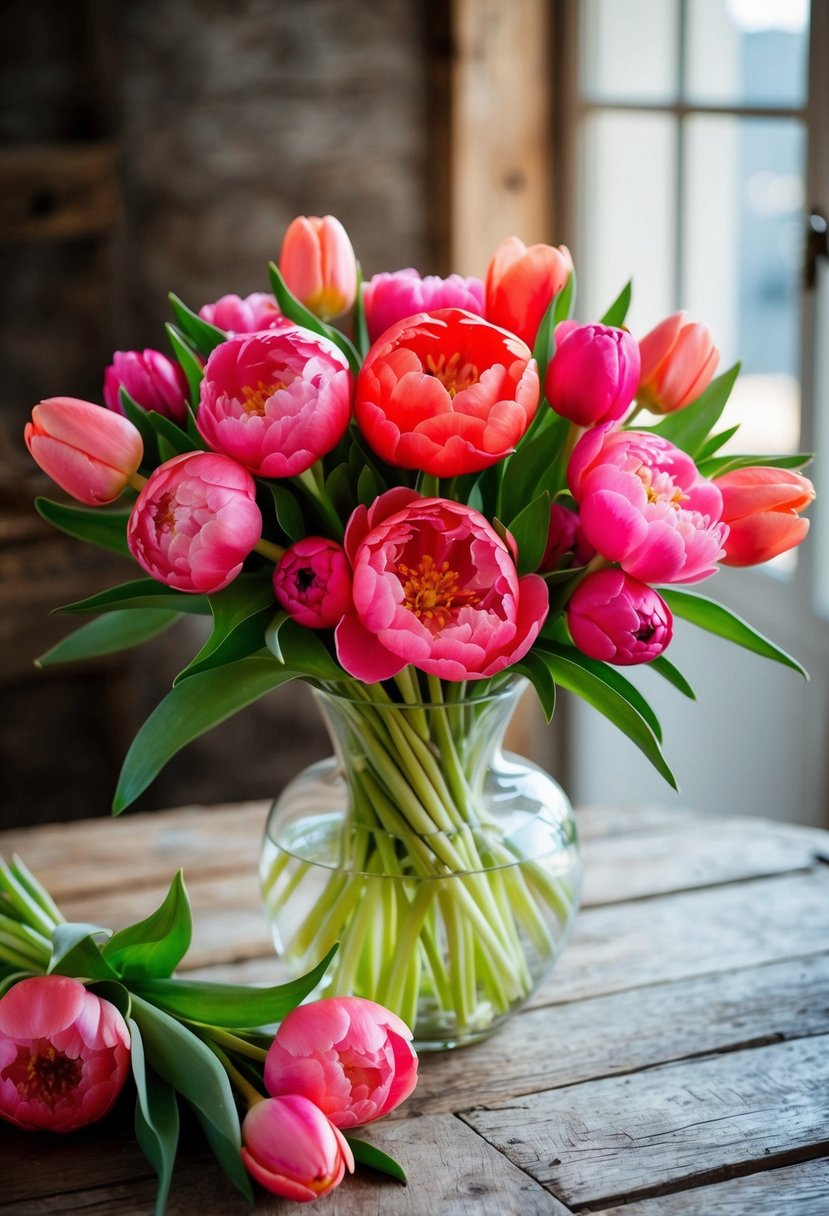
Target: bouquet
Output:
[(456, 486)]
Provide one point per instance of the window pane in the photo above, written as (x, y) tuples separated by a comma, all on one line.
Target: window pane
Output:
[(627, 215), (747, 51), (629, 49), (742, 261)]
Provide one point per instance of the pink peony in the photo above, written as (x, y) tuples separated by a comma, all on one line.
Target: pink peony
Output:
[(617, 619), (291, 1149), (389, 298), (152, 380), (195, 521), (312, 582), (643, 504), (64, 1054), (88, 451), (434, 585), (351, 1057), (275, 401), (594, 373), (237, 315)]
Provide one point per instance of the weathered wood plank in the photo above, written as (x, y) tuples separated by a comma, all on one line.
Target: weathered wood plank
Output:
[(58, 191), (795, 1190), (627, 1137)]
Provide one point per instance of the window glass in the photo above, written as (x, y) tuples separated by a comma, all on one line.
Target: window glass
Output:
[(629, 49), (747, 52)]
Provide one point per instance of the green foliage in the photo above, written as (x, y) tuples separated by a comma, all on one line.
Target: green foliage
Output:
[(204, 336), (155, 946), (618, 311), (190, 363), (140, 593), (690, 427), (529, 530), (115, 631), (717, 619), (100, 526), (376, 1159), (290, 307)]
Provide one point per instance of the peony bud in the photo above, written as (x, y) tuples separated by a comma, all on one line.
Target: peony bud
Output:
[(64, 1054), (761, 507), (678, 360), (89, 451), (594, 374), (313, 582), (318, 265), (564, 535), (195, 521), (615, 618), (243, 316), (291, 1148), (152, 380), (390, 298), (521, 282)]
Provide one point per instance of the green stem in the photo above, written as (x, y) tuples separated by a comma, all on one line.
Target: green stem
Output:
[(241, 1083)]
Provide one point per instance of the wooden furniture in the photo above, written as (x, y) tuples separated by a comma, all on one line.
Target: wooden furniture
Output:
[(676, 1061)]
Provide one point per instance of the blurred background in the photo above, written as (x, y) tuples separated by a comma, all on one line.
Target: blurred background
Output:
[(148, 147)]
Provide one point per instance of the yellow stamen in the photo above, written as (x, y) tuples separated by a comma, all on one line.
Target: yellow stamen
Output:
[(255, 399), (454, 377), (432, 593)]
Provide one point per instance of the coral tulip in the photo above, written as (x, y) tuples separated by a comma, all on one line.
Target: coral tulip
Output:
[(435, 586), (89, 451), (293, 1150), (617, 619), (760, 506), (643, 503), (594, 373), (351, 1057), (275, 401), (446, 393), (312, 582), (151, 379), (64, 1054), (237, 315), (195, 521), (521, 282), (318, 265), (389, 298), (678, 360)]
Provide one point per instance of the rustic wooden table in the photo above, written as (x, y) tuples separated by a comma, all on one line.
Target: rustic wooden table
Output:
[(676, 1061)]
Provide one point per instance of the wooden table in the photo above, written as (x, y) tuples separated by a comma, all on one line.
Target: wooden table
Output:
[(676, 1061)]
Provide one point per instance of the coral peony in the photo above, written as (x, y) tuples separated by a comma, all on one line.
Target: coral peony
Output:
[(389, 298), (617, 619), (594, 373), (290, 1147), (446, 393), (238, 315), (313, 582), (521, 282), (318, 265), (678, 359), (152, 380), (760, 506), (87, 450), (435, 586)]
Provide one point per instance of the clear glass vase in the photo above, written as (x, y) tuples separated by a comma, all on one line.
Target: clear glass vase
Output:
[(447, 870)]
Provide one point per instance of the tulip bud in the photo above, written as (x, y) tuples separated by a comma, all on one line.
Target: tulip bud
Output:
[(151, 379), (291, 1148), (521, 282), (615, 618), (678, 360), (195, 521), (90, 452), (64, 1054), (318, 265), (593, 376), (313, 582), (760, 506)]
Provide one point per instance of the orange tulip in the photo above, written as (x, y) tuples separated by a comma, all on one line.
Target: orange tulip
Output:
[(678, 360), (318, 264), (760, 506), (521, 282)]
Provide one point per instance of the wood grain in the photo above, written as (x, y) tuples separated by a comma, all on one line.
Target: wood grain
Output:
[(57, 191)]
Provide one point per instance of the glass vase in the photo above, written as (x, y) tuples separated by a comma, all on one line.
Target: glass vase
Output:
[(447, 870)]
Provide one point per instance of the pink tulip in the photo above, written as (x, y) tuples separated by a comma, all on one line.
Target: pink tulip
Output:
[(89, 451), (236, 315), (312, 582), (760, 506), (293, 1150), (151, 379), (678, 361), (594, 373), (564, 536), (521, 282), (318, 265), (195, 521), (64, 1054), (643, 503), (389, 298), (275, 401), (617, 619), (436, 586), (350, 1057)]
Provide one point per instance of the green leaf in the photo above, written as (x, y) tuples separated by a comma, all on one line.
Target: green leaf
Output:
[(76, 953), (538, 673), (361, 338), (291, 308), (138, 417), (154, 947), (559, 309), (534, 467), (233, 1006), (690, 427), (204, 336), (715, 442), (156, 1118), (288, 511), (245, 640), (614, 679), (618, 310), (721, 621), (179, 442), (368, 487), (190, 364), (529, 529), (191, 709), (304, 651), (140, 593), (664, 667), (376, 1159), (97, 525), (110, 633), (571, 675), (272, 634), (726, 464), (228, 1156), (339, 490), (246, 597)]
